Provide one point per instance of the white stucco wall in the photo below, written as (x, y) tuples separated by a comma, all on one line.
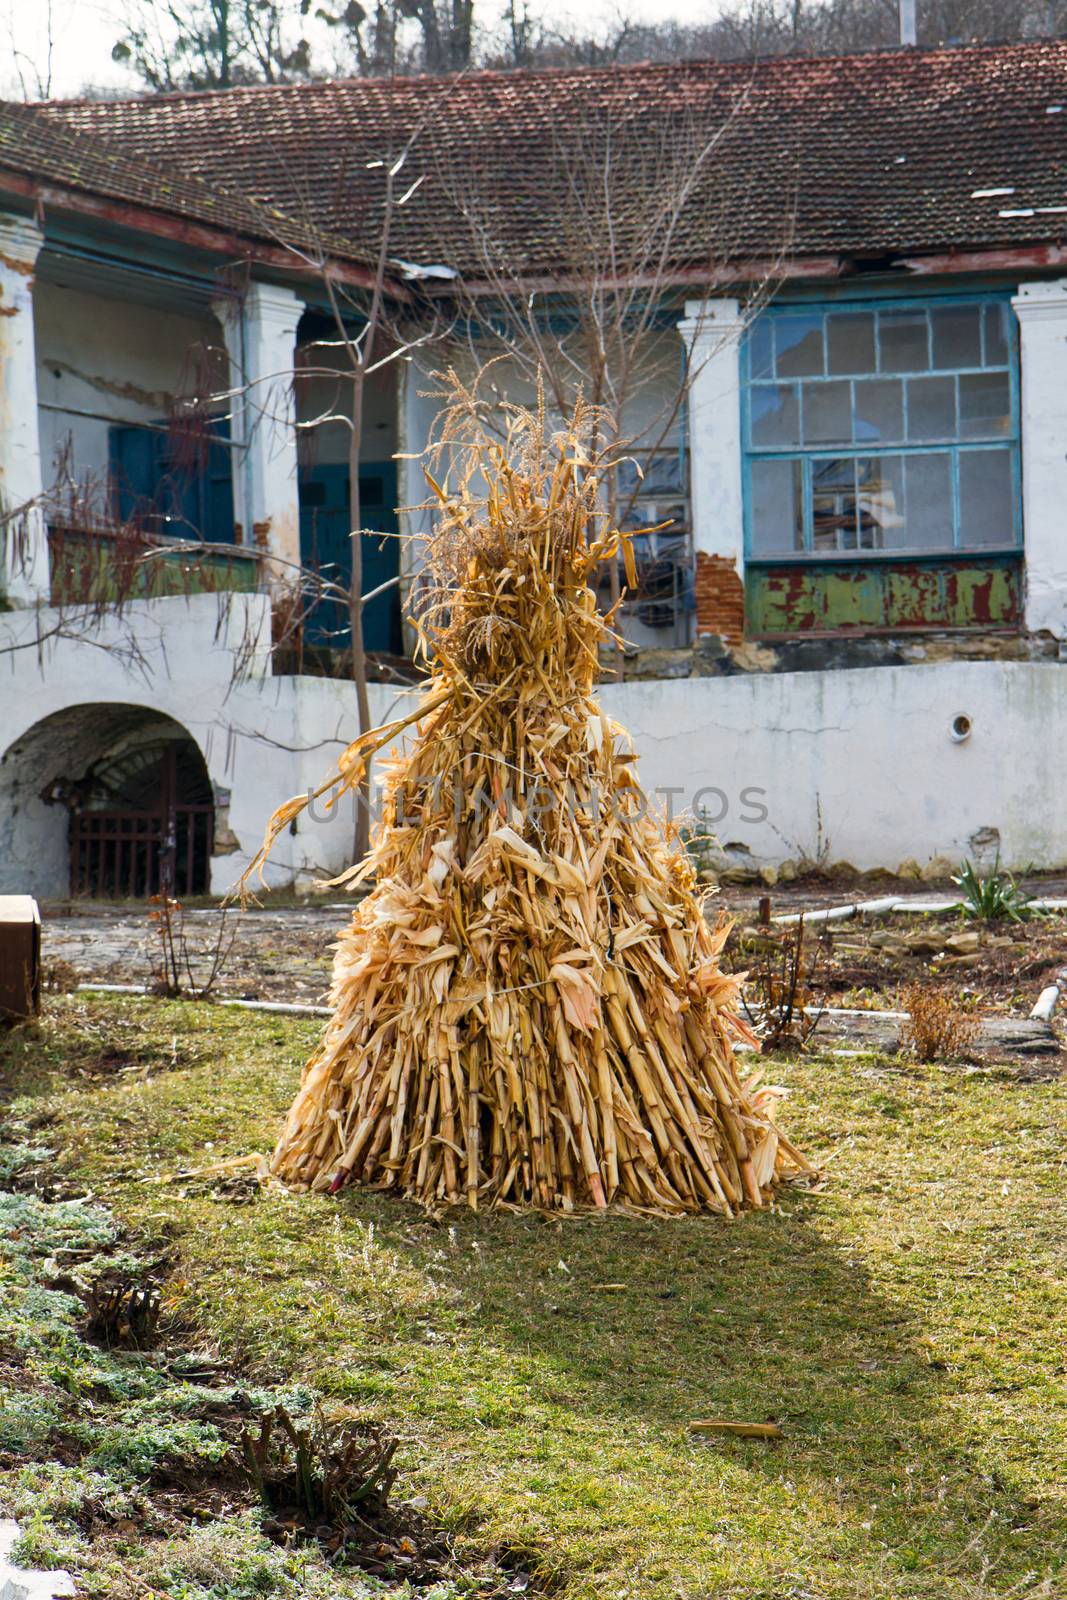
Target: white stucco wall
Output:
[(861, 763), (263, 738)]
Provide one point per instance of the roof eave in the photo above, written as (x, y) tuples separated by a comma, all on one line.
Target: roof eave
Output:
[(755, 270), (196, 235), (985, 258)]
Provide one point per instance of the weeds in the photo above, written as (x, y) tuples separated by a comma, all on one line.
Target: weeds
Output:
[(123, 1313), (172, 964), (326, 1469), (936, 1029), (697, 837), (778, 996), (995, 898)]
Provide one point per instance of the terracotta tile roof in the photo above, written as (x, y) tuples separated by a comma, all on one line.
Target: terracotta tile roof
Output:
[(79, 158), (899, 152)]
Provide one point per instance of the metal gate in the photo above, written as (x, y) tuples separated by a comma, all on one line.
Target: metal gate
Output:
[(130, 854)]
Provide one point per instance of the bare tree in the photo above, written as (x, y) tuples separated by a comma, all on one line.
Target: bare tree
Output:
[(638, 208), (214, 44), (34, 72)]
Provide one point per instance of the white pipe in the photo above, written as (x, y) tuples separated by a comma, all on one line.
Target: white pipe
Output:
[(285, 1008), (854, 908), (1049, 999)]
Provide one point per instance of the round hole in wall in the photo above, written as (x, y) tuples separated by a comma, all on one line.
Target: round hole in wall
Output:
[(961, 728)]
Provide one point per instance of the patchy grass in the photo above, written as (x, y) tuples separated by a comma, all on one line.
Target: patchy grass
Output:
[(904, 1327)]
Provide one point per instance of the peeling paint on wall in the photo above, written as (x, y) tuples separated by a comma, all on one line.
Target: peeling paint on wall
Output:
[(897, 597)]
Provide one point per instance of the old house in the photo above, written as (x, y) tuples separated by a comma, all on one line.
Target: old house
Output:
[(849, 629)]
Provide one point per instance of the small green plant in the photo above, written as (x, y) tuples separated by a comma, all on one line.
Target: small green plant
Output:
[(994, 898), (43, 1545)]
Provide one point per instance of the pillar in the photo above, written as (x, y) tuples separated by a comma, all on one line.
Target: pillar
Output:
[(260, 334), (24, 577), (1042, 312), (712, 332)]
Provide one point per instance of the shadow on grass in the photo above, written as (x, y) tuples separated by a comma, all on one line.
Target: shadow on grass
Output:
[(627, 1329)]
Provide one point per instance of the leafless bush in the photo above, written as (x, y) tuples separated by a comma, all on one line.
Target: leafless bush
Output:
[(173, 960), (779, 995)]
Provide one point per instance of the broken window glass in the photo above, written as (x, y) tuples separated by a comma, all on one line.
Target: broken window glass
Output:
[(798, 346)]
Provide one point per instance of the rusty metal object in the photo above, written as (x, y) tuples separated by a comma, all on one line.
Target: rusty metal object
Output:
[(841, 597)]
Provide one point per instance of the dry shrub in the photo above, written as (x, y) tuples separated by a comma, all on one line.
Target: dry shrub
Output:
[(936, 1028)]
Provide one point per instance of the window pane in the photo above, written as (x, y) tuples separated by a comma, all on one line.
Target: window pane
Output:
[(777, 508), (985, 498), (957, 336), (880, 501), (761, 349), (903, 336), (985, 405), (850, 342), (996, 335), (827, 410), (879, 411), (928, 499), (932, 408), (774, 414), (798, 344), (833, 486)]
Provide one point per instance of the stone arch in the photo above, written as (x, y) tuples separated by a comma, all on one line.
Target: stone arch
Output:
[(105, 800)]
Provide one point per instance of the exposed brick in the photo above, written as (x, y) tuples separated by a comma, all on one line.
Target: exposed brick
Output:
[(720, 598)]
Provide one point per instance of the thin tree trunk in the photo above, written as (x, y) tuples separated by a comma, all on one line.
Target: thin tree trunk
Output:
[(361, 839)]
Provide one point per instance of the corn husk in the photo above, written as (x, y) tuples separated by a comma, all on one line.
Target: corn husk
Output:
[(528, 1007)]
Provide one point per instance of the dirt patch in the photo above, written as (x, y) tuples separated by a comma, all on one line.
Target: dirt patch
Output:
[(866, 965)]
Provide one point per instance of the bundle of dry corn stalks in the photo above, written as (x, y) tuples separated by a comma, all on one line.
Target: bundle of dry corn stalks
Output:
[(528, 1006)]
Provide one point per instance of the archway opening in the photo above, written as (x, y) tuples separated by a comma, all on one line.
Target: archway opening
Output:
[(106, 802)]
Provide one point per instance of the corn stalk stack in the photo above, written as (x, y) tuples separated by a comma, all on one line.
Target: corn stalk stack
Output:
[(528, 1007)]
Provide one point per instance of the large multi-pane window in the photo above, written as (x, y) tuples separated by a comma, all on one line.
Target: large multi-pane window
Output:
[(885, 428)]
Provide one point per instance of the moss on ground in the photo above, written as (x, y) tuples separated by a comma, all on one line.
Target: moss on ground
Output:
[(904, 1325)]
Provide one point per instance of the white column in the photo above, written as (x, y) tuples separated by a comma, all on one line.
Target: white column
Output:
[(1042, 312), (260, 335), (24, 575), (712, 331)]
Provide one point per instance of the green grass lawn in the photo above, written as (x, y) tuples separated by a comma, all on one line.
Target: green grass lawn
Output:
[(905, 1325)]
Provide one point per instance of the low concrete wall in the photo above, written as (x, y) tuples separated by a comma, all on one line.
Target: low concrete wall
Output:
[(864, 765)]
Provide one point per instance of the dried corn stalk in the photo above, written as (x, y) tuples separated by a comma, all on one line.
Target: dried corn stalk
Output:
[(528, 1006)]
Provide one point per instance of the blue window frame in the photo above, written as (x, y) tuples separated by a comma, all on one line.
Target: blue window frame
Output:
[(882, 428)]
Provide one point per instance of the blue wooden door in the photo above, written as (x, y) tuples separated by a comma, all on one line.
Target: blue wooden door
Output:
[(326, 547), (175, 487)]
